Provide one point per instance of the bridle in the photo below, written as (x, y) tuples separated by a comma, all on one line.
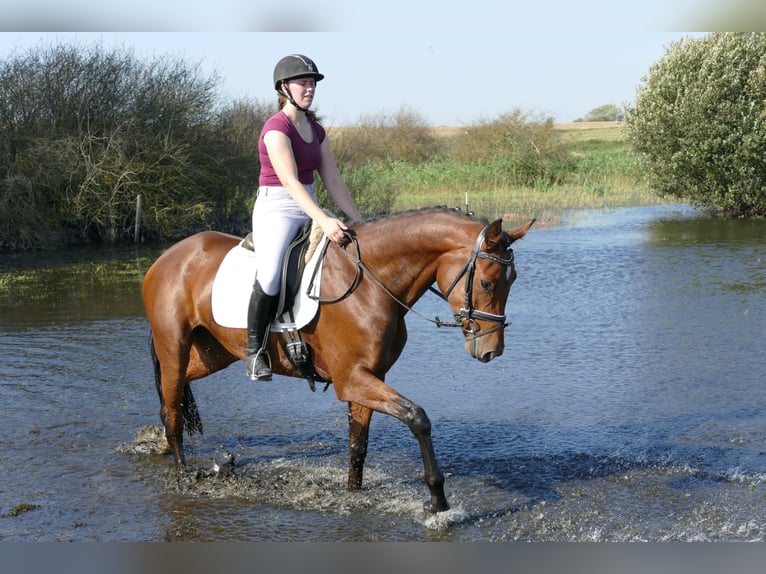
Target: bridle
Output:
[(466, 314)]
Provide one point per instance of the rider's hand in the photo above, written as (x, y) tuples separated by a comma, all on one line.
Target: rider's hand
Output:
[(334, 229)]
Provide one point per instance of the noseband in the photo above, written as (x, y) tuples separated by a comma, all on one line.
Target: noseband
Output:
[(468, 313)]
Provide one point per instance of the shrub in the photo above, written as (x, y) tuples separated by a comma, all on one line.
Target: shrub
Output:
[(699, 123), (88, 130), (403, 136), (84, 131), (232, 148), (367, 152), (520, 148)]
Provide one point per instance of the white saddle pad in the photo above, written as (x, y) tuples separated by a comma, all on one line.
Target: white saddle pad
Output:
[(233, 285)]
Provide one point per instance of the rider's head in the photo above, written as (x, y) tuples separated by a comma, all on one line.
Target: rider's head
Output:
[(293, 67)]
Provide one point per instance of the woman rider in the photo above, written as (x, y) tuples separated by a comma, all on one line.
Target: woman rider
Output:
[(292, 146)]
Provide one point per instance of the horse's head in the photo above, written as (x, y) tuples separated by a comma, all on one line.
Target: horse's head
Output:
[(480, 288)]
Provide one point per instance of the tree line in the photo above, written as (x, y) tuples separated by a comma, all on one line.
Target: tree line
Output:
[(84, 131)]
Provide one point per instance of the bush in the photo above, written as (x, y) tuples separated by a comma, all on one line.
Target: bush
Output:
[(84, 131), (368, 152), (233, 145), (520, 148), (403, 136), (699, 123)]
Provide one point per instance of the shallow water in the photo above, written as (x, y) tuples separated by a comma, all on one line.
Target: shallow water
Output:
[(629, 405)]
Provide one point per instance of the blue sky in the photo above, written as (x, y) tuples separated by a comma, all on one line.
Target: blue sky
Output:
[(453, 63)]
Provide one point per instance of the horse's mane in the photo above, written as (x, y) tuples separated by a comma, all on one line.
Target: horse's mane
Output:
[(424, 211)]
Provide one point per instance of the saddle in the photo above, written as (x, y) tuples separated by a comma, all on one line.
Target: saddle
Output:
[(298, 253)]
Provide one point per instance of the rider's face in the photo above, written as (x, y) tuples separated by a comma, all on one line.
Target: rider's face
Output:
[(302, 90)]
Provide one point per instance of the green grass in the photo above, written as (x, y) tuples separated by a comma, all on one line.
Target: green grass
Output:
[(599, 172)]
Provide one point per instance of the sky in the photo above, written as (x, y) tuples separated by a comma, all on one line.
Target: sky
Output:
[(451, 63)]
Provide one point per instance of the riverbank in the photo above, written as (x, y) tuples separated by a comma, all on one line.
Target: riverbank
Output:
[(602, 173)]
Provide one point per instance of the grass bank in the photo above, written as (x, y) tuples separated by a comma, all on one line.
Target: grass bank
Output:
[(597, 170)]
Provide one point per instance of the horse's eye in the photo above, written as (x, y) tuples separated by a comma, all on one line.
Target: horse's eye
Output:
[(486, 285)]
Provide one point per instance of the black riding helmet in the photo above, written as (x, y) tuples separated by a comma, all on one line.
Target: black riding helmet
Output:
[(295, 66)]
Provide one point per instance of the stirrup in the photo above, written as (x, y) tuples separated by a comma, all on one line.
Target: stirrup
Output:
[(258, 367)]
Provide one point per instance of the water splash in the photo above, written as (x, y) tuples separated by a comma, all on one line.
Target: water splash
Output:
[(150, 439), (447, 519)]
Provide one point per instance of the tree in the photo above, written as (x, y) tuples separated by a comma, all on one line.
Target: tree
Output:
[(85, 131), (699, 123), (605, 113)]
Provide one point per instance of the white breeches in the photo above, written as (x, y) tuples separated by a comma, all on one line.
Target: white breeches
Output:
[(276, 221)]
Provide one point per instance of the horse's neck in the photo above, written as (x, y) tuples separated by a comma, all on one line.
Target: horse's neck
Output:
[(408, 263)]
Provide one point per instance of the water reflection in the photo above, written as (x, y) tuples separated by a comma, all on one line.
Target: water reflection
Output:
[(72, 285), (713, 232)]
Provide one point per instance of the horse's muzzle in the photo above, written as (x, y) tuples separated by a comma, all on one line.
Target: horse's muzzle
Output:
[(480, 352)]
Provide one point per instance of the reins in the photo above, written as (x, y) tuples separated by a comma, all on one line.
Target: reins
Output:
[(359, 268), (466, 313)]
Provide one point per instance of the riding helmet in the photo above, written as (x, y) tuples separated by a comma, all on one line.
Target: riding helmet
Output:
[(295, 66)]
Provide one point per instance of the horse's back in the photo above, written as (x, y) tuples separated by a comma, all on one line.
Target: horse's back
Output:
[(186, 268), (196, 249)]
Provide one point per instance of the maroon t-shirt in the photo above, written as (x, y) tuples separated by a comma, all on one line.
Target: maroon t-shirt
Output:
[(308, 156)]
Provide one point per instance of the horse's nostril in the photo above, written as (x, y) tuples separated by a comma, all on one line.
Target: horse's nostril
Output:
[(487, 357)]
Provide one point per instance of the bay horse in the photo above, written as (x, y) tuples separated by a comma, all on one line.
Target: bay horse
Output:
[(359, 330)]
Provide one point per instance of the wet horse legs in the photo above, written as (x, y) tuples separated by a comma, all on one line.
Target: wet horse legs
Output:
[(172, 420), (417, 421), (358, 435), (420, 425)]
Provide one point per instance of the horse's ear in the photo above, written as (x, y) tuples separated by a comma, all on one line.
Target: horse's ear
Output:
[(494, 233), (519, 232)]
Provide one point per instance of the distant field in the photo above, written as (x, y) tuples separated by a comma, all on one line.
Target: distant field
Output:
[(605, 176), (572, 131), (446, 131), (588, 125)]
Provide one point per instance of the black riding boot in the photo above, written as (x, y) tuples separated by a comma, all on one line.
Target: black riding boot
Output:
[(260, 313)]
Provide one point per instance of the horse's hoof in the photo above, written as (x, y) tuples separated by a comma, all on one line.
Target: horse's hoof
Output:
[(432, 507)]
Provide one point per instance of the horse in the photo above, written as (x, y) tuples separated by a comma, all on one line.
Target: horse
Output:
[(358, 332)]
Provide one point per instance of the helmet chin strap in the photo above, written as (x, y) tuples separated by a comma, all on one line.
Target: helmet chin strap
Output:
[(286, 93)]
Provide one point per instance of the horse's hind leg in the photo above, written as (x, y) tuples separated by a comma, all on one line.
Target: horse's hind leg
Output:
[(172, 419), (170, 388), (358, 434)]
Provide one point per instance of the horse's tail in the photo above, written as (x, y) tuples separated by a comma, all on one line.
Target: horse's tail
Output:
[(189, 411), (156, 364)]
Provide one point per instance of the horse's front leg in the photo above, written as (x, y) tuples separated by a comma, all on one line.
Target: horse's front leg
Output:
[(358, 434), (370, 393), (420, 425)]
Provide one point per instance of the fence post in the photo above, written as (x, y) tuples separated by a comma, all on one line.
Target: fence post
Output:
[(137, 231)]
